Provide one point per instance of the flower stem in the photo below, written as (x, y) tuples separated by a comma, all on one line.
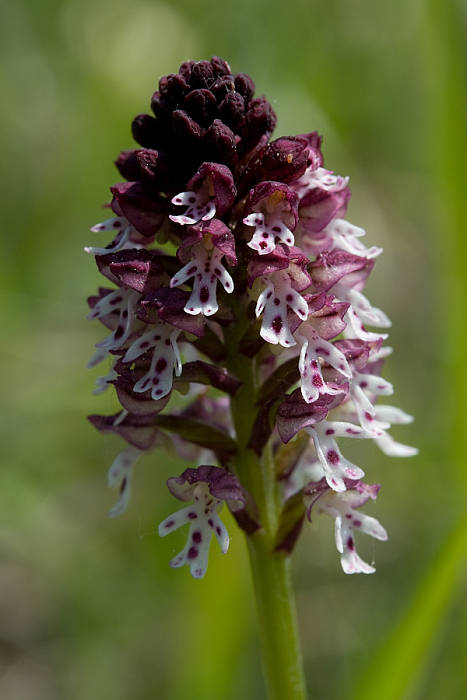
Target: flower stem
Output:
[(275, 601), (281, 655)]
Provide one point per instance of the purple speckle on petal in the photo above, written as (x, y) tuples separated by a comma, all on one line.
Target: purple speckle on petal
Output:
[(197, 537), (333, 457), (192, 515), (192, 553), (277, 324), (161, 364)]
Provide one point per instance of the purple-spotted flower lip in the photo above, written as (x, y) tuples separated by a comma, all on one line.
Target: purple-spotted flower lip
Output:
[(219, 181), (342, 507), (216, 232), (269, 197), (222, 485), (210, 191)]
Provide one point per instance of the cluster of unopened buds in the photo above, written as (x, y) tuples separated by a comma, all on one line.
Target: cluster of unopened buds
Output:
[(229, 248)]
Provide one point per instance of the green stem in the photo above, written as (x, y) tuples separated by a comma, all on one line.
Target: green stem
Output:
[(280, 646), (275, 601)]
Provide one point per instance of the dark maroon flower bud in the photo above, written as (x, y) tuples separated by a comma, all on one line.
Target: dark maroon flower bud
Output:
[(201, 105), (220, 143), (145, 131), (162, 107), (232, 109), (128, 166), (245, 86), (222, 87), (259, 121), (220, 66), (284, 159), (174, 85), (185, 127), (202, 74)]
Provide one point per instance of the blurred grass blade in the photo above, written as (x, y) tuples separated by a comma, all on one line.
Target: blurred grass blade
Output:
[(398, 663), (444, 54)]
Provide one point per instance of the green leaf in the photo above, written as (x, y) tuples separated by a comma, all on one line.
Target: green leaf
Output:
[(197, 432), (280, 381), (205, 373), (398, 663)]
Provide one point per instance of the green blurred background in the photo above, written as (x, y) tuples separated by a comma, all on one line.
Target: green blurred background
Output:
[(89, 608)]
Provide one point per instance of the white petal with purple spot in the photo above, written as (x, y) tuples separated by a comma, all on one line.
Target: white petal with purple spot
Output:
[(267, 233), (274, 301), (199, 207), (204, 523), (207, 270), (120, 475)]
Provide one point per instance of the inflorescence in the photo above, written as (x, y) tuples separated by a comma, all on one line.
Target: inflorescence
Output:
[(259, 236)]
